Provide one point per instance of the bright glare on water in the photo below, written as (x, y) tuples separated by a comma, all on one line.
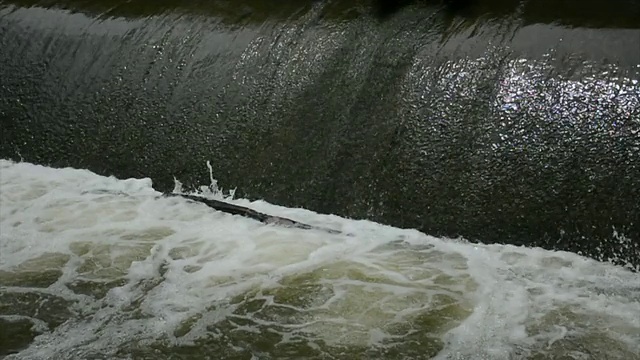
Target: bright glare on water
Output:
[(99, 267)]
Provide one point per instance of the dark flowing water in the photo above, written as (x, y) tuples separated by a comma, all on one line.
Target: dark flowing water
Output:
[(496, 121), (512, 122)]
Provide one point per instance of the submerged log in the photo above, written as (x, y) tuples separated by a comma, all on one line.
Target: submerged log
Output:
[(250, 213)]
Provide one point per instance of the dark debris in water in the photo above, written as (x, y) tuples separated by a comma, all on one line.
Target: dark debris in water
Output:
[(250, 213)]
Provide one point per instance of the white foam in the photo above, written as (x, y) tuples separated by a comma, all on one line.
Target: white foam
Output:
[(181, 267)]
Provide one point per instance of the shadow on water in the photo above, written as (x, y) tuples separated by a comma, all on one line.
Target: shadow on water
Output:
[(589, 13), (500, 121)]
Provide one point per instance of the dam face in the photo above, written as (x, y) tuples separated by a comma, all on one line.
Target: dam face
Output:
[(496, 121)]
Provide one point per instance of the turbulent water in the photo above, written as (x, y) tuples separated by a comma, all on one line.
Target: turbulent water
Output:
[(501, 121), (102, 268), (513, 122)]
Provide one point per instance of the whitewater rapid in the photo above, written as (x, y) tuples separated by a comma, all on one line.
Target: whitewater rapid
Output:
[(101, 267)]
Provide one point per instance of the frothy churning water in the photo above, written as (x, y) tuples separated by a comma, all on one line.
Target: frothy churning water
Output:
[(97, 267)]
